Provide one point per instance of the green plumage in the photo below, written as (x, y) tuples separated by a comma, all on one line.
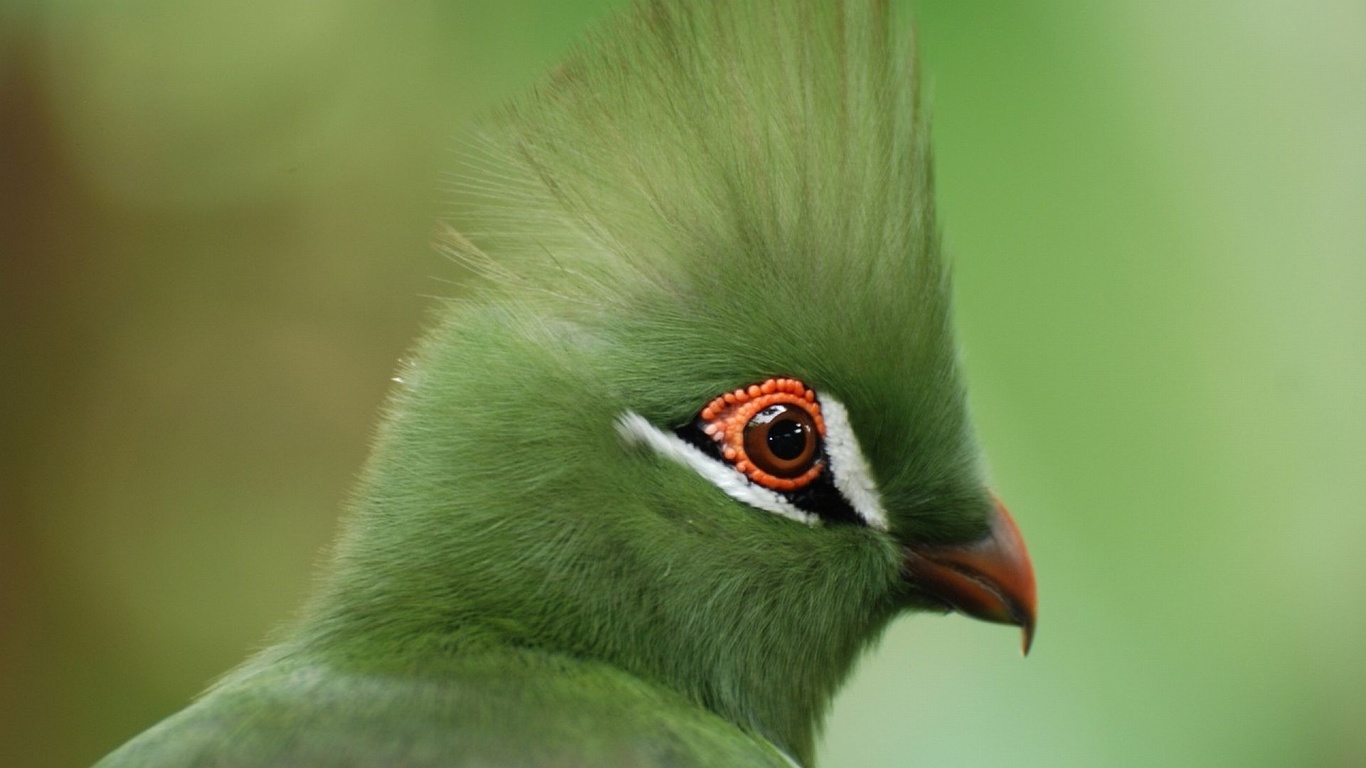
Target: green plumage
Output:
[(706, 195)]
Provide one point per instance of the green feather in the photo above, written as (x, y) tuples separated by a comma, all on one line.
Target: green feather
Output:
[(705, 195)]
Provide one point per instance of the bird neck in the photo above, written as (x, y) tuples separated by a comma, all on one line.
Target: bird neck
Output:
[(769, 668)]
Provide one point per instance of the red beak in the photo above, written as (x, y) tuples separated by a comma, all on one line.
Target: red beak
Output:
[(989, 579)]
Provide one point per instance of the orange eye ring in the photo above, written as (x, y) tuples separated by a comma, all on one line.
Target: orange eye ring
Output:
[(749, 422)]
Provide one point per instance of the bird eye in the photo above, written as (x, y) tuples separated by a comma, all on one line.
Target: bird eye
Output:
[(770, 432), (781, 440)]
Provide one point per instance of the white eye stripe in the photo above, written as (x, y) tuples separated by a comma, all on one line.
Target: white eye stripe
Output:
[(849, 469), (636, 430)]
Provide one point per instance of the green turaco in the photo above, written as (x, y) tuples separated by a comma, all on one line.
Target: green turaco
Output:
[(696, 436)]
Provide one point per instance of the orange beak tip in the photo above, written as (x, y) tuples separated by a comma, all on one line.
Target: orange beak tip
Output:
[(991, 578)]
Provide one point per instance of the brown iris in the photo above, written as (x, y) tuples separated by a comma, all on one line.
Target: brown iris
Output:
[(781, 440)]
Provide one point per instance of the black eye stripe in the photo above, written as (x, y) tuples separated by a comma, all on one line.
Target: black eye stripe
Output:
[(820, 497)]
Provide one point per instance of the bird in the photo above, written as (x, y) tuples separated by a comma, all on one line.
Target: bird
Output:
[(694, 437)]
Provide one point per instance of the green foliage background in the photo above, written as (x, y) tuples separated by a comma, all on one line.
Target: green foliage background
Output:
[(214, 226)]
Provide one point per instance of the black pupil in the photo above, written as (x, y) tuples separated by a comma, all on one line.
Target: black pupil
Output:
[(787, 439)]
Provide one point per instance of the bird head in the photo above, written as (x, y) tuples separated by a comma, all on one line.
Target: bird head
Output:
[(702, 417)]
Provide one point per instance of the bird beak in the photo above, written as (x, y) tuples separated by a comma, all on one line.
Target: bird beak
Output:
[(989, 579)]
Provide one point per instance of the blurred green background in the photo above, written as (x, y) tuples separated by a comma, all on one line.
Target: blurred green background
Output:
[(214, 227)]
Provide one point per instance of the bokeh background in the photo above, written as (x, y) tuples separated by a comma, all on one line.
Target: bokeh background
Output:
[(214, 246)]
